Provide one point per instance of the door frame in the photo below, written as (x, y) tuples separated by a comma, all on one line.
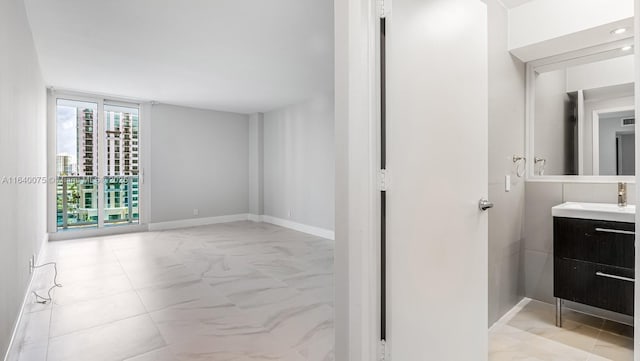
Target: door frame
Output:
[(357, 198), (596, 135), (143, 145), (636, 41)]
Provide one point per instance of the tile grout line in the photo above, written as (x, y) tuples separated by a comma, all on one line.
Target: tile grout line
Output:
[(155, 325), (50, 323), (89, 300), (595, 342), (100, 325)]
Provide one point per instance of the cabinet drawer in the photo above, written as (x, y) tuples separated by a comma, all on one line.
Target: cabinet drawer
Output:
[(606, 287), (604, 242)]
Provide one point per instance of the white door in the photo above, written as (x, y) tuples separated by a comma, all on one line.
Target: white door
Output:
[(437, 161)]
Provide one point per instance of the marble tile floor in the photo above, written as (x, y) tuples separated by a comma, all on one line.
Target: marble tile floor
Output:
[(229, 292), (531, 335)]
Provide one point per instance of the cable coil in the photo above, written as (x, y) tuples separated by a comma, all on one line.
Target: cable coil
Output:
[(45, 300)]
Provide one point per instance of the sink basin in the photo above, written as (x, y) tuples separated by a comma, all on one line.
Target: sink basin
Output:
[(596, 211)]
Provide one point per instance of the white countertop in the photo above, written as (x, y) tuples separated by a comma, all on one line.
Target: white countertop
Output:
[(596, 211)]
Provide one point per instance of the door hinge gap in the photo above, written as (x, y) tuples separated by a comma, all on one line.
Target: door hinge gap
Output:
[(384, 8), (383, 180), (383, 351)]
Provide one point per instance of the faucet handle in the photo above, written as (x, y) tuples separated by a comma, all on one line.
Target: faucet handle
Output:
[(622, 194)]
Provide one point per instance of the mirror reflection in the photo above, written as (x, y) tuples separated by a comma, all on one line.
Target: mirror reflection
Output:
[(584, 116)]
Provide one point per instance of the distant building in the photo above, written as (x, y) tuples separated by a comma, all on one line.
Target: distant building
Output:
[(64, 165), (87, 146), (122, 143), (121, 135), (122, 158)]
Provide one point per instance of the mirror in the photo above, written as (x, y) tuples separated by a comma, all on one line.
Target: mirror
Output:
[(583, 116)]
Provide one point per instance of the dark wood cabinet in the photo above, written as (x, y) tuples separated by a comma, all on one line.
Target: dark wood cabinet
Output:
[(594, 263)]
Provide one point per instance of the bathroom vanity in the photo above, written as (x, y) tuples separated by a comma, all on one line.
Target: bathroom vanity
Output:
[(594, 256)]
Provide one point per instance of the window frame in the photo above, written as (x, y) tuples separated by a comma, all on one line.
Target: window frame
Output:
[(143, 206)]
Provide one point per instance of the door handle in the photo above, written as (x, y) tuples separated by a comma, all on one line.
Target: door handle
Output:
[(602, 274), (484, 205), (618, 231)]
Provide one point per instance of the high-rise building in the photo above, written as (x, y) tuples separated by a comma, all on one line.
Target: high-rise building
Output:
[(87, 164), (122, 143), (121, 136), (87, 146), (122, 161)]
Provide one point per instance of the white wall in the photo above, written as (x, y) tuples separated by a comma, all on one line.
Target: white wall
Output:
[(614, 71), (589, 107), (551, 121), (256, 164), (609, 127), (299, 163), (199, 160), (23, 149), (543, 21), (506, 138)]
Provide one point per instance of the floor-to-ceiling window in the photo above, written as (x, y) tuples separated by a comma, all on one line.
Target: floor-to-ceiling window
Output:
[(97, 163)]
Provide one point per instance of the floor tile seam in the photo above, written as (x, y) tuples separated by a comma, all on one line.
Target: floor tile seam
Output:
[(89, 261), (52, 338), (24, 343), (168, 285), (564, 345), (162, 285), (46, 355), (144, 306), (614, 333), (595, 345), (92, 299), (149, 352), (589, 352), (273, 323), (118, 319), (100, 278)]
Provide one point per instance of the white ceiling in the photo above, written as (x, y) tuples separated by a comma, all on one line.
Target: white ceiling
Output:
[(510, 4), (233, 55)]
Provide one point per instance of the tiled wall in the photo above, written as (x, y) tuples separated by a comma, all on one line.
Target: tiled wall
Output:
[(505, 238), (537, 246), (506, 138)]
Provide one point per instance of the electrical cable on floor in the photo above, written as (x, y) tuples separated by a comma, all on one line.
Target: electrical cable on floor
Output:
[(45, 300)]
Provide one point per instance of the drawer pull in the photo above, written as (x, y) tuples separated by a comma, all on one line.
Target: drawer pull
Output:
[(602, 274), (607, 230)]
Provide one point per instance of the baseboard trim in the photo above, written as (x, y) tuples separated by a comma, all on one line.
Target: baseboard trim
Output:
[(16, 326), (316, 231), (195, 222), (88, 233), (300, 227), (512, 312)]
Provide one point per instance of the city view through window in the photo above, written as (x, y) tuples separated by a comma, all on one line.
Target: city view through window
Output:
[(97, 165)]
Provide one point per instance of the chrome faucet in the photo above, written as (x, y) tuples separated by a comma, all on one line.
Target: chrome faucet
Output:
[(622, 194)]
